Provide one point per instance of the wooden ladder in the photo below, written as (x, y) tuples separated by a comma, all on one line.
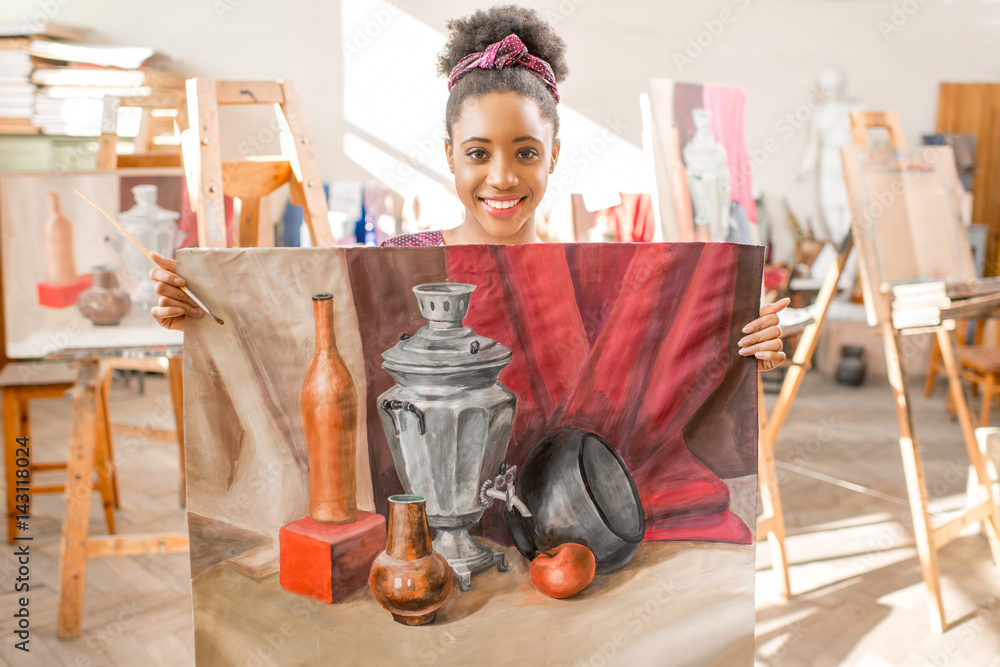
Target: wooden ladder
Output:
[(209, 177)]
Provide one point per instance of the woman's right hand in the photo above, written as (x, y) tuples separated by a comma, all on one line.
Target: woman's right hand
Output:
[(174, 305)]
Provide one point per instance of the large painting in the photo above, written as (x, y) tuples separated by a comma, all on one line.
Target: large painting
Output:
[(530, 421), (69, 278)]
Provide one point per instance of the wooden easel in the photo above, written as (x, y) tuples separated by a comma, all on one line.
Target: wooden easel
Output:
[(250, 179), (928, 539), (771, 522)]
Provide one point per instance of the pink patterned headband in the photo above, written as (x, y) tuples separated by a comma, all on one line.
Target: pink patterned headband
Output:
[(509, 52)]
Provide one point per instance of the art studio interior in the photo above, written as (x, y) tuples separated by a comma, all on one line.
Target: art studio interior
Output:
[(570, 332)]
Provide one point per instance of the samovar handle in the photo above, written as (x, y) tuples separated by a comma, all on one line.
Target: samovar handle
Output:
[(390, 408)]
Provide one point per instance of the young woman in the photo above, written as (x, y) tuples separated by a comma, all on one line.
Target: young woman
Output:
[(503, 67)]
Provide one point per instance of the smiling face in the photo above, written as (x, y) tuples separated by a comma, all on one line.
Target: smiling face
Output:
[(502, 151)]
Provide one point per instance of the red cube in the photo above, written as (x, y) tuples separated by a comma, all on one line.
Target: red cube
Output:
[(328, 563), (61, 296)]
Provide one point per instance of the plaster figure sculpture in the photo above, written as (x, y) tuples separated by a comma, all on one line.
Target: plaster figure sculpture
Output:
[(708, 176), (831, 131)]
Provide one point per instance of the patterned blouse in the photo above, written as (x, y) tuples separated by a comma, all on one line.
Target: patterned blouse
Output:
[(418, 239)]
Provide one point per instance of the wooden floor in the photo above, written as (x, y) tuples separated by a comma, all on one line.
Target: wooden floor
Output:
[(137, 610), (859, 597)]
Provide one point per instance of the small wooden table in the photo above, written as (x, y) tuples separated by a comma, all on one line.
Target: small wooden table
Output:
[(76, 545)]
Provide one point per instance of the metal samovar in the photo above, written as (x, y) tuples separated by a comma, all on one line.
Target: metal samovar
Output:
[(448, 421)]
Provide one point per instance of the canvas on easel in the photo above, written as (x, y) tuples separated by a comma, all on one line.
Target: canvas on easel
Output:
[(905, 206)]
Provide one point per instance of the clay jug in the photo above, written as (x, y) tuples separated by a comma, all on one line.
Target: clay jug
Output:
[(330, 420), (104, 303), (408, 578), (57, 245)]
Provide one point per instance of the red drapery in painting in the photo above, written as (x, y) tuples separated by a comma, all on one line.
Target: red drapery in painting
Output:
[(628, 341)]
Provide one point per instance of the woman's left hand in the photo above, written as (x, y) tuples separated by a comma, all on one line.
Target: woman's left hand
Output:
[(763, 339)]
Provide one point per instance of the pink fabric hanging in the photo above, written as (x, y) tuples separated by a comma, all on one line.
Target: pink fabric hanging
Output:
[(728, 106)]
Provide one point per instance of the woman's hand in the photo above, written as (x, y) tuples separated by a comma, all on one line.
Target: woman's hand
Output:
[(763, 339), (174, 304)]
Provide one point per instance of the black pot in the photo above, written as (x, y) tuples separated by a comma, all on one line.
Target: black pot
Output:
[(578, 489), (852, 366)]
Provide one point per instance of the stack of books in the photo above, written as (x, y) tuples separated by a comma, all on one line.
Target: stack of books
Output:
[(74, 79), (916, 305), (938, 302), (17, 94), (59, 88)]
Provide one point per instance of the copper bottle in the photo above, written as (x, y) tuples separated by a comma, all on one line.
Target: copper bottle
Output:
[(57, 245), (408, 578), (330, 419)]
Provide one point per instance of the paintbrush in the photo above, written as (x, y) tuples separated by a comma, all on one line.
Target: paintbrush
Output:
[(146, 253)]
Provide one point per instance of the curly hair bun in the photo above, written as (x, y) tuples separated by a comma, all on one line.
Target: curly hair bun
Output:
[(473, 33)]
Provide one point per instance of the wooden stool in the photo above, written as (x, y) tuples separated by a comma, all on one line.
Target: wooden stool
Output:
[(76, 545), (980, 364), (19, 383)]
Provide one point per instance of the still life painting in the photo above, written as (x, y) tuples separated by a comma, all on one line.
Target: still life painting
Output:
[(69, 278), (446, 456)]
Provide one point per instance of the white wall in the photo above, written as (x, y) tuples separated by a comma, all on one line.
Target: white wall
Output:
[(773, 48)]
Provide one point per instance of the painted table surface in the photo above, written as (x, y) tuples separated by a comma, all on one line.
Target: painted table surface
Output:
[(116, 352), (676, 604), (635, 342), (87, 336)]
